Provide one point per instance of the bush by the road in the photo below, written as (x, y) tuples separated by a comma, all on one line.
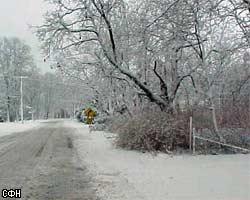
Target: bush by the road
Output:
[(152, 131), (158, 131)]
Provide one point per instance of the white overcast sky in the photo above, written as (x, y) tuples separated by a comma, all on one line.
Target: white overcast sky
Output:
[(15, 18)]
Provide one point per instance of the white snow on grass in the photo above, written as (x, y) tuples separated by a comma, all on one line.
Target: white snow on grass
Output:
[(129, 175), (16, 127)]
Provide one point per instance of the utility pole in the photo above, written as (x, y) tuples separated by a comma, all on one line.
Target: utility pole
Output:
[(21, 104), (21, 97)]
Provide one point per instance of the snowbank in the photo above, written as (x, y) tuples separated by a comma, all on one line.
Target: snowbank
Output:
[(128, 175), (15, 127)]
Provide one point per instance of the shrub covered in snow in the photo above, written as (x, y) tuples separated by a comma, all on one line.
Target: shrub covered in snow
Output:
[(155, 131), (159, 131)]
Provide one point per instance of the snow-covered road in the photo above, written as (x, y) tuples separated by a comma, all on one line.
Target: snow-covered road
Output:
[(43, 162), (8, 128), (129, 175), (16, 127)]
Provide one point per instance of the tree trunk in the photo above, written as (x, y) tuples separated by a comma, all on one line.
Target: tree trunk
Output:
[(8, 109), (215, 120)]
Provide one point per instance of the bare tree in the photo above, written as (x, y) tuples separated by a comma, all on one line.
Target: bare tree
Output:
[(15, 60)]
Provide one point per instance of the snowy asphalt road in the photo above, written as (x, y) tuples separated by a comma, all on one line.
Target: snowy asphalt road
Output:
[(44, 164)]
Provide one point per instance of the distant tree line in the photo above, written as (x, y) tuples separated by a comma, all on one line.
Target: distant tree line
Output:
[(44, 95)]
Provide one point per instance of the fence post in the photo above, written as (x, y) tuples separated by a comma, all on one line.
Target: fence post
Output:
[(193, 141), (190, 133)]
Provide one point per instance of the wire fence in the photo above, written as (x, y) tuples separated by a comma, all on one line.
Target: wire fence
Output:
[(193, 137), (216, 142)]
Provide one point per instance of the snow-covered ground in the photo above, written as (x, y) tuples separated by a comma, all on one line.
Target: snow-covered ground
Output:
[(16, 127), (129, 175)]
